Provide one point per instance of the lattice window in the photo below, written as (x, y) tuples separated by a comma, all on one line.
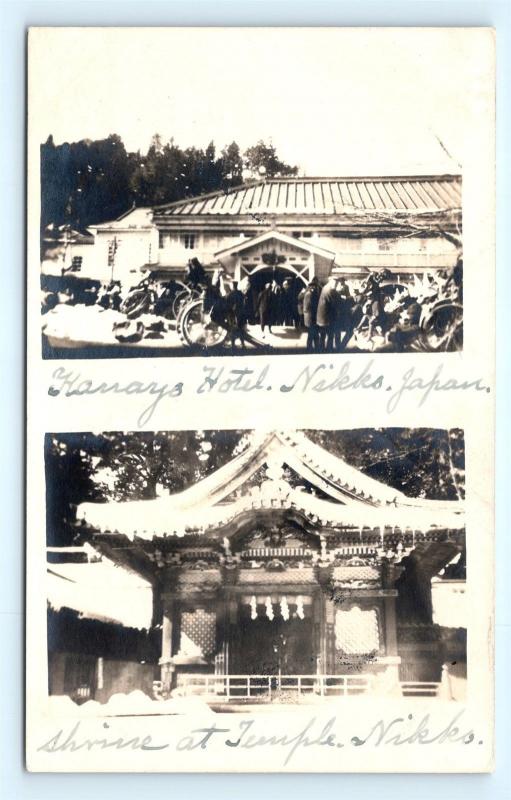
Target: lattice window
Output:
[(198, 633), (356, 630)]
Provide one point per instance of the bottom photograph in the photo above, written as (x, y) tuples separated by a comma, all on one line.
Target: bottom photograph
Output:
[(241, 569)]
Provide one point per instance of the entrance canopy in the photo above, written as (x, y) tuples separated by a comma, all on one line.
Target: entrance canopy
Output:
[(275, 237), (272, 253)]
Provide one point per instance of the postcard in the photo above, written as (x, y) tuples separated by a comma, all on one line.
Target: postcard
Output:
[(260, 400)]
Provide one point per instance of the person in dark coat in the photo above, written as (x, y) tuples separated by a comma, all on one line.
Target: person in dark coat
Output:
[(276, 304), (310, 310), (327, 314), (354, 315), (237, 320), (264, 308), (343, 314), (195, 274), (289, 307), (343, 288), (299, 306)]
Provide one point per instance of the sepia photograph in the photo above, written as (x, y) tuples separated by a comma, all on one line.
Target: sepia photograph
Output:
[(239, 570), (196, 217), (235, 562)]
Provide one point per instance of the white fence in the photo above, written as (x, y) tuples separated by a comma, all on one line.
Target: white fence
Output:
[(419, 688), (267, 688)]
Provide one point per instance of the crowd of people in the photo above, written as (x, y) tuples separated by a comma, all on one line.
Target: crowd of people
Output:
[(372, 313), (368, 314)]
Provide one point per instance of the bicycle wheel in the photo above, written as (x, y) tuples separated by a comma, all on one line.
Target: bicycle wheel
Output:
[(195, 329), (442, 329)]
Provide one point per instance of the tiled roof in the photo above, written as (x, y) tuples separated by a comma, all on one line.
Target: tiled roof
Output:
[(330, 196)]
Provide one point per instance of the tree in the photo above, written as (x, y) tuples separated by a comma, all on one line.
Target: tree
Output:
[(90, 182), (140, 465), (85, 467), (421, 462), (262, 160), (85, 182), (232, 165), (69, 465)]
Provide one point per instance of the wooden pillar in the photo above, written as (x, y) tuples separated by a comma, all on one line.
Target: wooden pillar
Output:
[(222, 658), (318, 633), (328, 666), (231, 632), (390, 624), (167, 667)]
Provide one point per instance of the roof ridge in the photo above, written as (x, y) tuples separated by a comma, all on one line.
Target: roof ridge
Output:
[(351, 178)]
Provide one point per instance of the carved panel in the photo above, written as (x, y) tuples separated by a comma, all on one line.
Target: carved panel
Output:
[(198, 633), (357, 630), (361, 575), (199, 575), (291, 575)]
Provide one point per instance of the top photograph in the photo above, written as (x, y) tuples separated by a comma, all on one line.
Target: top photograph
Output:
[(253, 224)]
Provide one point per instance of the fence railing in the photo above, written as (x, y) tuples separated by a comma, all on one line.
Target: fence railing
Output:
[(270, 687), (419, 688), (267, 688)]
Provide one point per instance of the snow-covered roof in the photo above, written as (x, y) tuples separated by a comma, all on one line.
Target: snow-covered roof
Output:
[(100, 590), (354, 499), (134, 219)]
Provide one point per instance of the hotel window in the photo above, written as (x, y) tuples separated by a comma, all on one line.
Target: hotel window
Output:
[(189, 241), (76, 264), (384, 244), (164, 240)]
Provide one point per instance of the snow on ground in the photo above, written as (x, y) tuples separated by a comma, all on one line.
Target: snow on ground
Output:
[(135, 703)]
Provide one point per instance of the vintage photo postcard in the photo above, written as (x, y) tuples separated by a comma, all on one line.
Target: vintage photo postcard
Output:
[(260, 400)]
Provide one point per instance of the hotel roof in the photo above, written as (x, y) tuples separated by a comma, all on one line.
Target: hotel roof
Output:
[(324, 196)]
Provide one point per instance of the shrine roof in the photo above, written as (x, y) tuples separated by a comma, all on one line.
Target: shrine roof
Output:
[(324, 196), (354, 499)]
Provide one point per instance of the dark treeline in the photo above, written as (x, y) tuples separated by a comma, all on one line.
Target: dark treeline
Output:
[(88, 182)]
